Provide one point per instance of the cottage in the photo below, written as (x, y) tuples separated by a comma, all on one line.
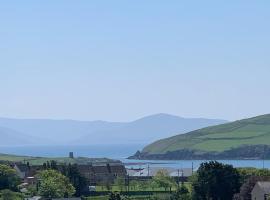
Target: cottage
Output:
[(261, 191), (95, 173), (102, 173)]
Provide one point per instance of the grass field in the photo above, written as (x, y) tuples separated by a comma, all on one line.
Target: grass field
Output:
[(253, 131), (41, 160)]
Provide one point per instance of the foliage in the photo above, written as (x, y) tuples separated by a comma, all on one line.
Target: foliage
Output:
[(181, 194), (133, 184), (75, 177), (72, 172), (143, 185), (54, 185), (8, 178), (246, 173), (163, 180), (120, 182), (50, 165), (9, 195), (32, 190), (115, 196), (215, 181)]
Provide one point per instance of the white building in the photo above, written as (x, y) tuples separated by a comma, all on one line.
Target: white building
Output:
[(261, 191)]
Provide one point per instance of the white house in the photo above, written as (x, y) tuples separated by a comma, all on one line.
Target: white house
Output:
[(261, 191)]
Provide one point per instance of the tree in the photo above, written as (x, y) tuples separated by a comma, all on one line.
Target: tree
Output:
[(54, 185), (115, 196), (153, 185), (50, 165), (246, 173), (181, 194), (8, 178), (163, 180), (72, 173), (77, 180), (9, 195), (216, 181), (143, 184), (120, 182), (133, 185)]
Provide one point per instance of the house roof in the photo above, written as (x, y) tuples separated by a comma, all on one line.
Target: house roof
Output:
[(102, 169), (265, 186), (22, 167)]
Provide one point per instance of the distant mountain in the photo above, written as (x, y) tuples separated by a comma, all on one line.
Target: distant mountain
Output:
[(56, 131), (144, 130), (243, 139), (148, 129), (12, 137)]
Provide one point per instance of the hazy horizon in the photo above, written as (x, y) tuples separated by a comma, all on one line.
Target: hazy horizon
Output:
[(120, 61), (132, 120)]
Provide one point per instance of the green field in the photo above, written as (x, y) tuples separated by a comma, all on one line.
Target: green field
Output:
[(41, 160), (252, 131)]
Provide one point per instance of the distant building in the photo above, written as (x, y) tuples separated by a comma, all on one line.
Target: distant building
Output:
[(71, 155), (95, 173), (261, 191)]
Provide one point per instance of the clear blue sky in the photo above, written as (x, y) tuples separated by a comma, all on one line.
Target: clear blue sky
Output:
[(121, 60)]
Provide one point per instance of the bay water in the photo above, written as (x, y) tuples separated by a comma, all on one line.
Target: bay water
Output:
[(120, 152)]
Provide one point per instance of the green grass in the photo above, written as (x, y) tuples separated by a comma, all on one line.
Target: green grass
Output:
[(253, 131), (98, 198), (41, 160)]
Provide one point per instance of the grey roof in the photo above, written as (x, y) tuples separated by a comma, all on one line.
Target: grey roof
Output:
[(265, 186), (22, 167)]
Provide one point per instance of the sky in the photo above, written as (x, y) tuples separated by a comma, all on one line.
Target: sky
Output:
[(122, 60)]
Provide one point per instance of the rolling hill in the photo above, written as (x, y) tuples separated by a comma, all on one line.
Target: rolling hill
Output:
[(72, 132), (12, 137), (243, 139), (148, 129)]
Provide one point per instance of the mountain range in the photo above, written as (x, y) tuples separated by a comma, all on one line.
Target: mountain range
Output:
[(72, 132), (242, 139)]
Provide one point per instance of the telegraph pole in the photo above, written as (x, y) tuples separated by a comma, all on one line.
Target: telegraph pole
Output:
[(263, 155), (178, 178)]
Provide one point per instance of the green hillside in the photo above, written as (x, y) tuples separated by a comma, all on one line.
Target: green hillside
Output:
[(41, 160), (248, 132)]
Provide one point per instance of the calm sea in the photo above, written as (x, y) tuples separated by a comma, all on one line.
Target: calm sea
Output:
[(121, 152)]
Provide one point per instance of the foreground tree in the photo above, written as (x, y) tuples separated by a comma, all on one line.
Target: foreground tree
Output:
[(10, 195), (115, 196), (181, 194), (120, 182), (54, 185), (76, 179), (163, 180), (8, 178), (216, 181)]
